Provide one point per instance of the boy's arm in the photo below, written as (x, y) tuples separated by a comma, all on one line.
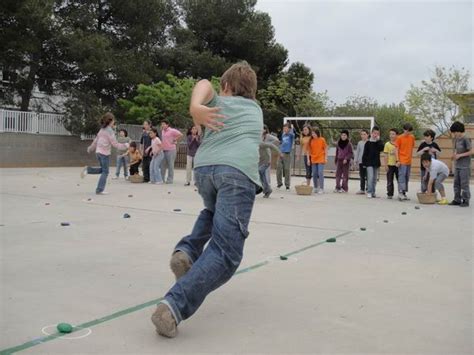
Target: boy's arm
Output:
[(271, 146), (202, 94)]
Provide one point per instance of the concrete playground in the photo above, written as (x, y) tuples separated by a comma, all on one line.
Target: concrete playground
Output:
[(397, 280)]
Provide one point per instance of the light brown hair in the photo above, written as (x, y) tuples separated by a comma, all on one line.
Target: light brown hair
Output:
[(241, 80), (106, 119)]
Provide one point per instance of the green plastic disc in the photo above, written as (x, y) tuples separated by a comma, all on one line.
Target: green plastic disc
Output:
[(283, 257), (363, 228), (65, 328), (331, 240)]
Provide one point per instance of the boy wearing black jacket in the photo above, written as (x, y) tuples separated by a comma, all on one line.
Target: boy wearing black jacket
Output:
[(371, 159)]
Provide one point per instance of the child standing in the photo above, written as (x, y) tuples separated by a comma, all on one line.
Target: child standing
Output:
[(135, 158), (391, 162), (157, 158), (269, 138), (371, 159), (122, 154), (317, 150), (265, 154), (145, 143), (462, 168), (171, 137), (405, 144), (437, 172), (227, 178), (193, 140), (364, 136), (343, 159), (304, 144), (431, 147), (283, 166), (102, 145)]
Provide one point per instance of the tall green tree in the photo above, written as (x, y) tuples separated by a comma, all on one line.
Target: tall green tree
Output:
[(165, 99), (111, 44), (429, 100), (288, 94), (217, 33), (30, 50)]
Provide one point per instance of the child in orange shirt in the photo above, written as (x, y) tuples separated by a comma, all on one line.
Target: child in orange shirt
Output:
[(316, 154), (404, 152)]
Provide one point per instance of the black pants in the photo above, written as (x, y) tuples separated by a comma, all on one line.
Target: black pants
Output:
[(134, 168), (363, 177), (391, 173), (146, 168)]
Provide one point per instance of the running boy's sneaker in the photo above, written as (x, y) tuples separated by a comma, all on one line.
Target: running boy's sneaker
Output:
[(389, 197), (370, 196), (454, 203), (102, 193), (360, 192), (84, 172), (443, 202), (320, 192), (315, 190)]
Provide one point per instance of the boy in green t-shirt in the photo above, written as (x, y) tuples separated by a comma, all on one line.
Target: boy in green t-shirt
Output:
[(226, 174), (391, 162)]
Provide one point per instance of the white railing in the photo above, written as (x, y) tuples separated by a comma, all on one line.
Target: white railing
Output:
[(49, 123), (32, 122)]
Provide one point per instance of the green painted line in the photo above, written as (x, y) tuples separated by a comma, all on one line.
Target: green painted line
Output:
[(123, 312)]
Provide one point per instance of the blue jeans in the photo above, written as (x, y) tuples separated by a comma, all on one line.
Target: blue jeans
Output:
[(403, 178), (318, 176), (155, 167), (228, 197), (122, 161), (262, 170), (372, 173), (103, 170), (168, 163)]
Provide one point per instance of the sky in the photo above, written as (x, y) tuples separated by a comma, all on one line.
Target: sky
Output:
[(373, 48)]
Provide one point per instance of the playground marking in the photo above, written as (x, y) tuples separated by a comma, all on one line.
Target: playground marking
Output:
[(123, 312)]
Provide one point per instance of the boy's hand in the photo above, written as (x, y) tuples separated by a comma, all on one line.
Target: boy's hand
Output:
[(455, 156), (344, 162), (207, 116)]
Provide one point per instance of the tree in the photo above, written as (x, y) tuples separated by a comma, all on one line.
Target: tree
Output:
[(111, 44), (387, 116), (82, 113), (166, 99), (217, 33), (289, 94), (429, 101), (30, 49)]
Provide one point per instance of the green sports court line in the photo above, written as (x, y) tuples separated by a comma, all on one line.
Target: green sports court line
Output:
[(92, 323)]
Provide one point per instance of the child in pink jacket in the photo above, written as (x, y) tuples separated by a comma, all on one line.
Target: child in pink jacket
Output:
[(102, 145)]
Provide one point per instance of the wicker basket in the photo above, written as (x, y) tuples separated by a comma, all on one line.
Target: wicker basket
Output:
[(136, 178), (426, 199), (303, 189)]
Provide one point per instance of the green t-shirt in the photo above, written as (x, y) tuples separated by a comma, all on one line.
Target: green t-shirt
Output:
[(236, 144)]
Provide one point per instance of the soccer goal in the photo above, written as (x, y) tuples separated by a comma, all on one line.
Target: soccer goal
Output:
[(330, 132)]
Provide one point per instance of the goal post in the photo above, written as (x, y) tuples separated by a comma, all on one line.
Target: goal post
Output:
[(371, 119)]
